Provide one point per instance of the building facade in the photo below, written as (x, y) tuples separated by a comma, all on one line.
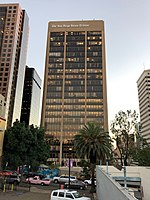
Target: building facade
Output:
[(143, 84), (31, 98), (14, 29), (2, 124), (2, 106), (74, 84)]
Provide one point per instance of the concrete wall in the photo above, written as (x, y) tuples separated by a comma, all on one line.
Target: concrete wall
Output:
[(108, 189), (134, 171)]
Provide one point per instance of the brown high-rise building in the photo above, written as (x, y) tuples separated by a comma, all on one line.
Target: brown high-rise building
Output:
[(75, 83), (14, 30)]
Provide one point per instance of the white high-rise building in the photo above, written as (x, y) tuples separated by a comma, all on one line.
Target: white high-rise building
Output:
[(143, 84)]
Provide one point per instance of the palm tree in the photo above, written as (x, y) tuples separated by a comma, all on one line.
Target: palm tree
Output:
[(93, 143)]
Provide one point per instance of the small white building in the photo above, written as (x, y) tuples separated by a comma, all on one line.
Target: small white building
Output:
[(135, 173)]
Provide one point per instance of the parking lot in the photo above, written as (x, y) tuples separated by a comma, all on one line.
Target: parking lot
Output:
[(24, 195), (35, 193)]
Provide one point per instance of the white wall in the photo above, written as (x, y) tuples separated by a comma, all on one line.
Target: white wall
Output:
[(134, 171), (108, 189)]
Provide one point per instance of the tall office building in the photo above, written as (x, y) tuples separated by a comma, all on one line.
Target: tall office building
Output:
[(74, 84), (31, 98), (14, 30), (143, 84), (2, 124)]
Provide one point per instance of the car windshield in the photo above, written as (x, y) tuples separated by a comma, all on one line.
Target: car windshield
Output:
[(72, 177), (76, 194)]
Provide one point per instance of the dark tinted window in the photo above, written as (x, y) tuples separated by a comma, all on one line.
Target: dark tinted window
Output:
[(13, 176), (61, 194), (54, 193), (68, 195)]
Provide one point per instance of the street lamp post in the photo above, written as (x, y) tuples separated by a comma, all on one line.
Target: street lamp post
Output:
[(106, 166), (69, 172), (70, 149)]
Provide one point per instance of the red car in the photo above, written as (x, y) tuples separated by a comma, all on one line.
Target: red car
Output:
[(6, 173)]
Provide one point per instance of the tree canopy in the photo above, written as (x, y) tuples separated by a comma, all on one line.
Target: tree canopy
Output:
[(124, 130), (24, 145), (93, 143), (140, 153)]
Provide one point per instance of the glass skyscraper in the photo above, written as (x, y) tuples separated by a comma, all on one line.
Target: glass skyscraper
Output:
[(31, 98), (75, 90)]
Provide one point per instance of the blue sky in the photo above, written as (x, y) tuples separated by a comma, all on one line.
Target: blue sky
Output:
[(127, 37)]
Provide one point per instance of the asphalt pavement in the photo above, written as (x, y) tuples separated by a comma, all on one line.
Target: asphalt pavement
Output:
[(24, 195), (36, 193)]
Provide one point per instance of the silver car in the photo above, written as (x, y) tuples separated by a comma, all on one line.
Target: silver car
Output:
[(76, 185)]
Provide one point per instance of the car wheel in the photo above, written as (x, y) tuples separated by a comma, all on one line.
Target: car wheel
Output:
[(86, 184), (15, 183), (81, 187), (42, 183), (55, 181)]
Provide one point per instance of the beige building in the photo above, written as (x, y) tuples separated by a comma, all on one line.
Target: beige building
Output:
[(143, 84), (13, 50), (75, 90)]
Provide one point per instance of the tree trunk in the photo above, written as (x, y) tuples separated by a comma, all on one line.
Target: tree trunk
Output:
[(0, 163), (93, 164), (93, 189)]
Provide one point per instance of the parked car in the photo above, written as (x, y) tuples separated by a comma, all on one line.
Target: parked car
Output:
[(66, 195), (39, 181), (13, 179), (75, 185), (63, 179), (6, 172), (89, 181)]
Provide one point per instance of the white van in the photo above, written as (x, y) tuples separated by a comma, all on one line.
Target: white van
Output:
[(67, 195)]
